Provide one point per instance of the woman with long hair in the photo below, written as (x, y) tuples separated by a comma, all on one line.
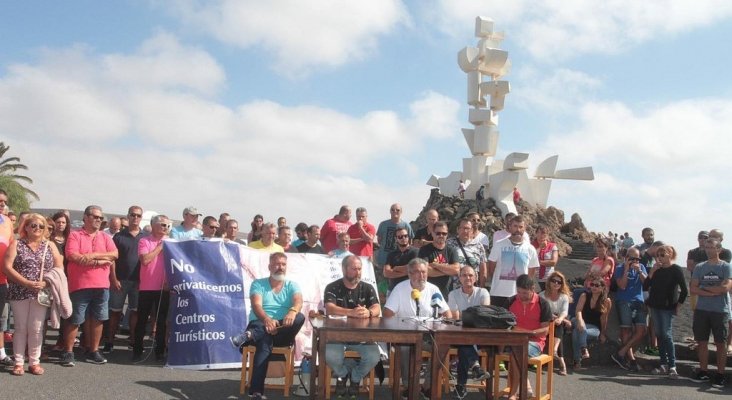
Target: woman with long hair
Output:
[(558, 295), (61, 230), (602, 266), (590, 319), (666, 293), (256, 232), (27, 260), (547, 252)]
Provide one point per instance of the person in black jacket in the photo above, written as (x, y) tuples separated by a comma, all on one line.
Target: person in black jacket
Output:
[(666, 292)]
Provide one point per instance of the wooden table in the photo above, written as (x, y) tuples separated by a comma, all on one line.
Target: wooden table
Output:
[(398, 330), (445, 335)]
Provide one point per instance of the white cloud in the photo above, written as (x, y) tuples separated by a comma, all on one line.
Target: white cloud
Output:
[(435, 116), (300, 34), (558, 29), (560, 90)]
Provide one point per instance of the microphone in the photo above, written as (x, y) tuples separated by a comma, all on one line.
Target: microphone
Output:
[(436, 302), (415, 296)]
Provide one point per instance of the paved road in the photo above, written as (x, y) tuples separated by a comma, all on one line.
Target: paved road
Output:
[(120, 379)]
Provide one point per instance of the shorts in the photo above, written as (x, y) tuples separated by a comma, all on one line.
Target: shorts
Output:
[(632, 313), (706, 322), (130, 290), (94, 302), (534, 349)]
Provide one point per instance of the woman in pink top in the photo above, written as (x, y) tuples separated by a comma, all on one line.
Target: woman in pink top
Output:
[(26, 261), (602, 266)]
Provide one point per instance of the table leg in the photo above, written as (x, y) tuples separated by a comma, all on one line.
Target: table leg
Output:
[(396, 373), (313, 368), (521, 354), (414, 366), (321, 366), (438, 354)]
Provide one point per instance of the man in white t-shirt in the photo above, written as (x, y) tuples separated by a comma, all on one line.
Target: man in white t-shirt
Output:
[(506, 232), (400, 304), (467, 295), (510, 258)]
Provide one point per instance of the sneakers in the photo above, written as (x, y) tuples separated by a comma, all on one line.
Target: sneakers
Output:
[(353, 390), (479, 373), (241, 340), (672, 374), (460, 392), (701, 376), (95, 357), (7, 361), (257, 396), (719, 380), (620, 360), (340, 389), (660, 370), (634, 366), (67, 359), (108, 347)]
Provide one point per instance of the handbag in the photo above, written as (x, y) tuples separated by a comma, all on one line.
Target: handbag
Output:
[(44, 295)]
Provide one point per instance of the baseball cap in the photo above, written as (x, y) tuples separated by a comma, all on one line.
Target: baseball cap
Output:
[(703, 235), (191, 210)]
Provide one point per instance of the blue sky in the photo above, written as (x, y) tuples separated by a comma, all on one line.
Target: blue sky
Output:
[(296, 107)]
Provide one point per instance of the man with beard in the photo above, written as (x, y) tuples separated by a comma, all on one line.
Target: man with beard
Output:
[(470, 252), (386, 233), (400, 303), (648, 237), (442, 259), (353, 298), (274, 320), (509, 258), (311, 244), (395, 268)]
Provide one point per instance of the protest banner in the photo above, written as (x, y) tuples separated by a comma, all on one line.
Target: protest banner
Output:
[(209, 283)]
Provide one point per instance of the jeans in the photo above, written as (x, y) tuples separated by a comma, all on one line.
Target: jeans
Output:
[(467, 356), (342, 366), (663, 321), (579, 338), (264, 342), (149, 301)]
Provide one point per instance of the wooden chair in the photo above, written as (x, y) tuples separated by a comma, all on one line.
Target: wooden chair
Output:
[(247, 368), (368, 383), (426, 356), (539, 361)]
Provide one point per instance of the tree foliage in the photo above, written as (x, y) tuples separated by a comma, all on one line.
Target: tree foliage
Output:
[(19, 196)]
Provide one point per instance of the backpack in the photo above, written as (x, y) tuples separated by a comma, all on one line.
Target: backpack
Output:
[(493, 317)]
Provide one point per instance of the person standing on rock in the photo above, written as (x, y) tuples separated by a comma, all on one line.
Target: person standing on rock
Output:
[(712, 281), (509, 258)]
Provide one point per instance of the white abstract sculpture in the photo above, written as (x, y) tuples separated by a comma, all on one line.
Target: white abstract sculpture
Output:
[(486, 99)]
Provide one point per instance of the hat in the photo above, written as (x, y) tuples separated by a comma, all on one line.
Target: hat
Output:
[(191, 210), (703, 235)]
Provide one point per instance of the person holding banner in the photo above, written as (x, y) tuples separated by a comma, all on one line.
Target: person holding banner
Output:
[(153, 288), (353, 298), (274, 320)]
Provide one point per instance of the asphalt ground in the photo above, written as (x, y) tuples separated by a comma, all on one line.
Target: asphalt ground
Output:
[(121, 379)]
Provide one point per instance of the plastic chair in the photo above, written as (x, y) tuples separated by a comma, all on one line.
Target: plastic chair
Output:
[(247, 368), (539, 361), (368, 384)]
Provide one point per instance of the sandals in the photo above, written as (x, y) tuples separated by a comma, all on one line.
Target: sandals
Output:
[(562, 372), (585, 353), (36, 369), (18, 370)]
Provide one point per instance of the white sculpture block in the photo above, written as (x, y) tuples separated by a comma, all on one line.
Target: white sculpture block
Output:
[(479, 116), (468, 59), (434, 181), (483, 27), (497, 90), (547, 167), (501, 190), (475, 94), (486, 140), (581, 174), (492, 61), (516, 161)]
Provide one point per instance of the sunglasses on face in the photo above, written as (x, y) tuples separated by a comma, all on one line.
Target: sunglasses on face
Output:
[(213, 227), (632, 259), (557, 281), (597, 285), (440, 233), (134, 215), (165, 226), (37, 226), (96, 217), (402, 236)]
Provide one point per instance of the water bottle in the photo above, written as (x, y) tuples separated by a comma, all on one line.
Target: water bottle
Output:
[(304, 389)]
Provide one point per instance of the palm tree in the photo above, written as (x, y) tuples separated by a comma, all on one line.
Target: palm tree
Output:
[(8, 168)]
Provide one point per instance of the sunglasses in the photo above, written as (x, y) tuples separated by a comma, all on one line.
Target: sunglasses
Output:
[(402, 236), (440, 233), (595, 284), (557, 281), (165, 226), (134, 215), (37, 226), (96, 217), (631, 259), (213, 227)]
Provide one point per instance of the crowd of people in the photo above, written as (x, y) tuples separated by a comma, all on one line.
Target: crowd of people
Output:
[(92, 272)]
